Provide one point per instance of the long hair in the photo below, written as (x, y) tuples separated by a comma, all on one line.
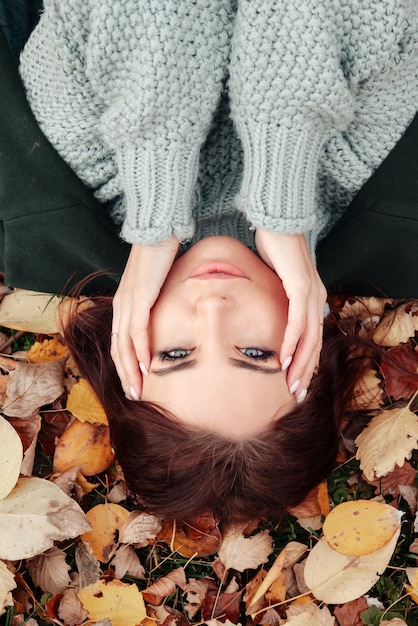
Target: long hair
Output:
[(180, 472)]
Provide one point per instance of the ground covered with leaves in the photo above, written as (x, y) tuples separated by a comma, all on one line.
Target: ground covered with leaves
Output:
[(73, 549)]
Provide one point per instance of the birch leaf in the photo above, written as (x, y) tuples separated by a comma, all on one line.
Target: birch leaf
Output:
[(34, 515), (139, 529), (7, 583), (360, 527), (49, 571), (335, 578), (105, 520), (387, 441), (122, 604), (11, 457), (32, 385), (83, 403), (239, 552)]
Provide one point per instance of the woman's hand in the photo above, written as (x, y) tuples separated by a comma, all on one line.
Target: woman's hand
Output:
[(141, 282), (290, 258)]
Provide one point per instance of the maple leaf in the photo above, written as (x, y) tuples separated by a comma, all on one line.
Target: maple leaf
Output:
[(239, 552), (388, 440)]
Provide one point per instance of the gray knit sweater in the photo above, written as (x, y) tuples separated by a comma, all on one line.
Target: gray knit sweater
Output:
[(204, 117)]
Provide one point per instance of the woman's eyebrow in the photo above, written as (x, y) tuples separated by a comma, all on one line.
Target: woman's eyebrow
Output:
[(183, 365), (248, 365)]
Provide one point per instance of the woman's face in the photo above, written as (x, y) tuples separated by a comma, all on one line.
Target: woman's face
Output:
[(215, 337)]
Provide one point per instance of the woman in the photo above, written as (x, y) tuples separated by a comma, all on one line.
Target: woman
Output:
[(196, 119)]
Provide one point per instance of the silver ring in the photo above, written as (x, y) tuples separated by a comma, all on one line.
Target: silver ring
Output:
[(113, 334)]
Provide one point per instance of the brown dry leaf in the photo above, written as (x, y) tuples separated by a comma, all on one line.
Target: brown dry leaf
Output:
[(313, 614), (46, 350), (348, 614), (70, 609), (11, 457), (398, 326), (31, 311), (412, 588), (310, 507), (126, 561), (391, 483), (240, 553), (359, 527), (410, 495), (83, 403), (122, 604), (387, 441), (27, 429), (84, 444), (49, 571), (193, 596), (335, 578), (33, 385), (7, 584), (105, 520), (53, 425), (139, 529), (199, 537), (34, 515), (165, 586), (220, 605), (363, 308), (396, 621), (88, 566), (401, 383), (367, 393), (290, 554)]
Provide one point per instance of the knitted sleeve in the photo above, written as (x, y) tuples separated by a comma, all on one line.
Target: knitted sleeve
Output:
[(288, 96), (159, 67)]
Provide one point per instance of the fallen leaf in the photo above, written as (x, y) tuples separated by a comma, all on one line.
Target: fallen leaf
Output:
[(165, 586), (11, 457), (28, 429), (310, 507), (412, 588), (193, 596), (199, 537), (367, 393), (31, 311), (126, 561), (70, 609), (335, 578), (393, 481), (139, 529), (83, 403), (84, 444), (309, 614), (34, 515), (53, 425), (7, 583), (387, 441), (122, 604), (397, 326), (401, 382), (105, 520), (349, 614), (88, 566), (47, 350), (239, 552), (363, 308), (220, 605), (49, 571), (359, 527), (33, 385), (396, 621)]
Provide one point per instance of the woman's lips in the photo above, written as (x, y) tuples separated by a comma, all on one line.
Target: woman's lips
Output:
[(217, 269)]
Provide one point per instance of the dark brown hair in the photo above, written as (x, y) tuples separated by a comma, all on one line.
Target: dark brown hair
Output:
[(179, 472)]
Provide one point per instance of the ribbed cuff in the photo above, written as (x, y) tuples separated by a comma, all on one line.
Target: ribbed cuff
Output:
[(158, 184), (280, 174)]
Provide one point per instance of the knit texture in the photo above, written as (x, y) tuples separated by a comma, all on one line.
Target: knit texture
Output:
[(207, 117)]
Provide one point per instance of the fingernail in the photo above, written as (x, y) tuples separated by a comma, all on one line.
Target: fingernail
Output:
[(134, 394), (294, 386), (302, 395), (286, 363), (143, 369)]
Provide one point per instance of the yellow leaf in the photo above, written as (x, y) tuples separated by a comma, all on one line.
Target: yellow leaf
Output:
[(387, 441), (323, 498), (11, 457), (105, 520), (360, 527), (84, 444), (412, 588), (335, 578), (48, 350), (83, 403), (121, 604)]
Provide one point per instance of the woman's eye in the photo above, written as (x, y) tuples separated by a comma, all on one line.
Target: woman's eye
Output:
[(257, 353), (173, 355)]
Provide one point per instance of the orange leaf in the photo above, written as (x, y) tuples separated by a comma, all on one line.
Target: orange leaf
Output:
[(198, 537), (48, 350), (105, 520), (84, 444), (83, 403)]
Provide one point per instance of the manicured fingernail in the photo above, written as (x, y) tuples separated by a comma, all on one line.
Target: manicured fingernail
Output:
[(302, 395), (286, 363), (134, 394), (143, 369), (294, 386)]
